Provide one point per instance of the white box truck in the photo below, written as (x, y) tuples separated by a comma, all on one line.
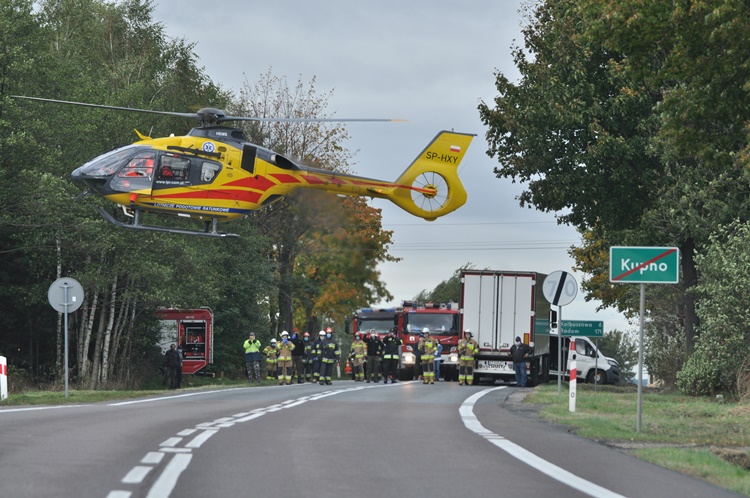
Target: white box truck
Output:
[(498, 306)]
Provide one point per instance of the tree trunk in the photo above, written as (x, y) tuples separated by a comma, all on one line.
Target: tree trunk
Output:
[(689, 281), (108, 332)]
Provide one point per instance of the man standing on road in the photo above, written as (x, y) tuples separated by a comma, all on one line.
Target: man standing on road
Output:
[(330, 354), (297, 357), (359, 351), (252, 358), (467, 349), (285, 359), (519, 352), (428, 345), (172, 361), (307, 358), (374, 352), (271, 352), (391, 351)]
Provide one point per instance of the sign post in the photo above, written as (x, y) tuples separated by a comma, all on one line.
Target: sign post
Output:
[(643, 265), (3, 378), (560, 288), (65, 295)]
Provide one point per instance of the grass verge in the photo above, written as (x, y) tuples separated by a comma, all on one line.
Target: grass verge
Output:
[(695, 436)]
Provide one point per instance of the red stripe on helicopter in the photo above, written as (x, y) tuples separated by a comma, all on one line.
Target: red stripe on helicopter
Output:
[(316, 180), (254, 182), (283, 178)]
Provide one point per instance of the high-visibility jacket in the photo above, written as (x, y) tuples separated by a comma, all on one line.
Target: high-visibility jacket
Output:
[(271, 353), (391, 348), (467, 348), (330, 351), (359, 349), (252, 350), (285, 350)]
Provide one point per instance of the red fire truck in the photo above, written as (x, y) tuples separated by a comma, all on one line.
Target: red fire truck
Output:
[(443, 321), (193, 330)]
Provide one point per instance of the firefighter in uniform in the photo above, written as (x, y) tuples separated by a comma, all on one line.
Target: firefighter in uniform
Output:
[(359, 350), (329, 354), (374, 353), (252, 358), (307, 358), (316, 355), (271, 352), (285, 359), (467, 349), (391, 350), (428, 346)]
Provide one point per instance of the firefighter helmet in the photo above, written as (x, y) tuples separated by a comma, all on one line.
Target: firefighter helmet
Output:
[(322, 333), (426, 331), (306, 334), (273, 341), (285, 333), (468, 332), (329, 330)]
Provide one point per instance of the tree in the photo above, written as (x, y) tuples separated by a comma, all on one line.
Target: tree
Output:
[(615, 125), (307, 231), (622, 347)]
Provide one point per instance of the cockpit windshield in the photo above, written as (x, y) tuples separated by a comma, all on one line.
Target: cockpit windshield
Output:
[(438, 323)]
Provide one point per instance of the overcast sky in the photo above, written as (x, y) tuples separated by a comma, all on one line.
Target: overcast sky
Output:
[(428, 61)]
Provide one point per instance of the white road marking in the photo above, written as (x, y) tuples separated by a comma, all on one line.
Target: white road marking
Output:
[(472, 423), (201, 438), (153, 457), (136, 474), (165, 483), (168, 479)]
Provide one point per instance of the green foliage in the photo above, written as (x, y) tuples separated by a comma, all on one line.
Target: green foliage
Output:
[(724, 340), (630, 121), (622, 347)]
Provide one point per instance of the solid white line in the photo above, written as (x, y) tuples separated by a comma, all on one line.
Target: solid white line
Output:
[(201, 438), (136, 474), (472, 423), (35, 408), (168, 479), (186, 395)]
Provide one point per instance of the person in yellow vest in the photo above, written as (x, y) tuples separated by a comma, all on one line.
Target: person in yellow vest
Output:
[(285, 359), (252, 358), (428, 345), (271, 352), (467, 349), (359, 351)]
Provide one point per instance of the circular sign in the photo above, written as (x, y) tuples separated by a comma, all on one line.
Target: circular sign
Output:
[(65, 291), (560, 288)]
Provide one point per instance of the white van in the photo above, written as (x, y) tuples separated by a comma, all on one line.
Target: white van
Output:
[(591, 365)]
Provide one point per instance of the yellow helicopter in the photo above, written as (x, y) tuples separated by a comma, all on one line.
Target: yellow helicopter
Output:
[(215, 174)]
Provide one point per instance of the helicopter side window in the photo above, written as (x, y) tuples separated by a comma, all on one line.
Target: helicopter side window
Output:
[(174, 168), (209, 171)]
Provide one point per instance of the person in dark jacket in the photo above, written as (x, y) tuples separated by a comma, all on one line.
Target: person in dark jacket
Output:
[(316, 354), (172, 363), (519, 352), (375, 348), (391, 352), (297, 357), (329, 355)]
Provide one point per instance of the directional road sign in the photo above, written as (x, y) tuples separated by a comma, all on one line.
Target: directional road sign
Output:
[(586, 328), (644, 265)]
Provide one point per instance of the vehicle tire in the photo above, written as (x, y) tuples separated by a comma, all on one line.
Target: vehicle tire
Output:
[(596, 376), (406, 374)]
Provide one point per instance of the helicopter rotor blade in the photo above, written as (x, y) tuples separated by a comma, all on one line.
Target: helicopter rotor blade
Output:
[(115, 108), (210, 115)]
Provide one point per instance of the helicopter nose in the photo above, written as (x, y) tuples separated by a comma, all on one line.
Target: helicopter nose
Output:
[(77, 177)]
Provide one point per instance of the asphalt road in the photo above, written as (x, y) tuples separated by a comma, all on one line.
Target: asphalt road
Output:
[(346, 440)]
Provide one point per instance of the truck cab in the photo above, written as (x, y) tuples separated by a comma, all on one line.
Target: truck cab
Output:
[(591, 365)]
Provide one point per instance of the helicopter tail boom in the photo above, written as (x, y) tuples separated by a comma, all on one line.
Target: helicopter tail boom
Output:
[(430, 187)]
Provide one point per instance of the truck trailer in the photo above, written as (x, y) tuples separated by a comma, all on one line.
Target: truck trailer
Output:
[(498, 306)]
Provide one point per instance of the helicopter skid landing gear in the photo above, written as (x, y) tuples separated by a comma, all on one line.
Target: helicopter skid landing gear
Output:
[(210, 231)]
